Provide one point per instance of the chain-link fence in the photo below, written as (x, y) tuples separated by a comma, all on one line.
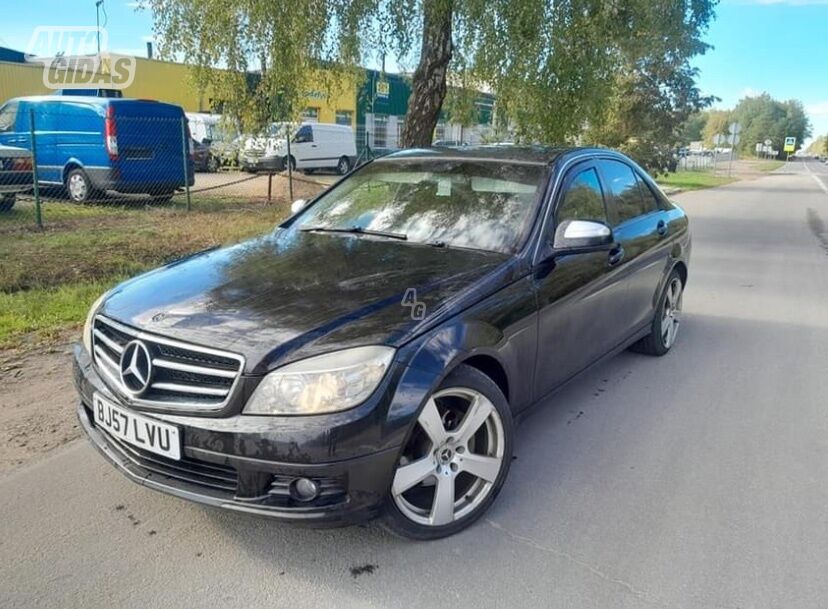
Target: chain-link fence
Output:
[(61, 161)]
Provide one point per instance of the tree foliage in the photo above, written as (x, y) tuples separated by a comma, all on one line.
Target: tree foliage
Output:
[(763, 117), (555, 66)]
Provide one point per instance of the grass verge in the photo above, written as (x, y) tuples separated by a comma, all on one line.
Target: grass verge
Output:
[(48, 279), (694, 180)]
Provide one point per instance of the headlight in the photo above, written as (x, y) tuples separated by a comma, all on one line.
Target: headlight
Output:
[(87, 327), (326, 383)]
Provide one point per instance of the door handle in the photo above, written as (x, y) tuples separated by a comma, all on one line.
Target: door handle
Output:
[(616, 255), (661, 228), (313, 145)]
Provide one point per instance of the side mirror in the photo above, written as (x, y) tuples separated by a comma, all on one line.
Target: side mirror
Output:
[(298, 205), (583, 235)]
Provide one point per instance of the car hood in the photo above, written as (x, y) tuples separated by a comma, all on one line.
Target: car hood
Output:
[(290, 295)]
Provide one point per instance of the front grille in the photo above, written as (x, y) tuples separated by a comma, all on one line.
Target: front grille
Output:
[(191, 471), (183, 376)]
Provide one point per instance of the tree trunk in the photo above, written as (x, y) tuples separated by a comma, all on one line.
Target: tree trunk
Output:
[(428, 88)]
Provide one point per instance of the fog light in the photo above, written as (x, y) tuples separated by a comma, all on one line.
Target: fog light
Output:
[(304, 489)]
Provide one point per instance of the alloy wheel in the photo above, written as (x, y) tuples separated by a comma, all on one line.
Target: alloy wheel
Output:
[(671, 313), (452, 460)]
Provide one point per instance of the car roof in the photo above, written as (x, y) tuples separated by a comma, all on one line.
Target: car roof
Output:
[(540, 155), (89, 99)]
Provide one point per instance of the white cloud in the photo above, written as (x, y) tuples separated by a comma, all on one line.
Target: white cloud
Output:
[(817, 109), (750, 92)]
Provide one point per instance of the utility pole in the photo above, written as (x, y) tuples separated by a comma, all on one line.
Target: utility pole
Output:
[(98, 23)]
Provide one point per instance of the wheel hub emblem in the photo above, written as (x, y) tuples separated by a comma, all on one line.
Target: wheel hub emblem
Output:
[(136, 368), (445, 455)]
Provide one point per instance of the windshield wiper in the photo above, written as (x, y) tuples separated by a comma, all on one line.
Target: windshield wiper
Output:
[(355, 230)]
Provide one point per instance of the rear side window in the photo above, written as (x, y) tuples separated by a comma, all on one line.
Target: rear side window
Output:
[(650, 197), (622, 184), (8, 115), (583, 199)]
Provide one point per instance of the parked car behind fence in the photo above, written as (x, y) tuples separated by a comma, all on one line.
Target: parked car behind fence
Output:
[(15, 175)]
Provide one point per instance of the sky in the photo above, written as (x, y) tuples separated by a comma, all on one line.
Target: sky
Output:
[(773, 46)]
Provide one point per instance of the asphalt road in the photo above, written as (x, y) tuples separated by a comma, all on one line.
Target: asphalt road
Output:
[(697, 480)]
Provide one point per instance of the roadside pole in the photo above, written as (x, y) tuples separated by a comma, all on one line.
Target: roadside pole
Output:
[(185, 155), (289, 168), (38, 213)]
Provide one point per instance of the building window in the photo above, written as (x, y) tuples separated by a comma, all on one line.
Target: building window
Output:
[(380, 131), (311, 115), (344, 117), (440, 132)]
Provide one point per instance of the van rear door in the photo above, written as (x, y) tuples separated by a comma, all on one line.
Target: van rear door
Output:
[(151, 145)]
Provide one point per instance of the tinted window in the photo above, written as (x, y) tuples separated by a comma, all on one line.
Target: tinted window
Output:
[(475, 204), (623, 188), (651, 201), (583, 199), (8, 114)]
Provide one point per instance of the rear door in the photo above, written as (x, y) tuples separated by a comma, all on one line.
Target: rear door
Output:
[(638, 227), (12, 132), (152, 143), (578, 294)]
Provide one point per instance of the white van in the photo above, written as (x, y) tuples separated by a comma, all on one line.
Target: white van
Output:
[(317, 146)]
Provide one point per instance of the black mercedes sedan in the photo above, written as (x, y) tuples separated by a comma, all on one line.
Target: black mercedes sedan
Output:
[(370, 355)]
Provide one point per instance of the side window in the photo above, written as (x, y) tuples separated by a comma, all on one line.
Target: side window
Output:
[(583, 199), (305, 134), (8, 115), (623, 188), (651, 201)]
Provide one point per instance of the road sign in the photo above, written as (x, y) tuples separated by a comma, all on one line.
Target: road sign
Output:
[(760, 148), (790, 144), (718, 139), (733, 139), (735, 128), (768, 142)]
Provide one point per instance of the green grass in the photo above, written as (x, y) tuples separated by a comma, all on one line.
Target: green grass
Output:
[(694, 180), (766, 166), (43, 314), (48, 279)]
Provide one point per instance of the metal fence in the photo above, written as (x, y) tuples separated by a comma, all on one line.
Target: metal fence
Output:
[(88, 161)]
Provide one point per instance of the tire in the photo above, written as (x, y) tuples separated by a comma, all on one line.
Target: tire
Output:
[(343, 166), (665, 324), (212, 165), (7, 202), (78, 187), (412, 507), (292, 163)]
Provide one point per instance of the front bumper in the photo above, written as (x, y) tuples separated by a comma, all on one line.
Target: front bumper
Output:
[(351, 490)]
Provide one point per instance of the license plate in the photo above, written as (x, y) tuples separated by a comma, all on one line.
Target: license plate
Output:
[(143, 432)]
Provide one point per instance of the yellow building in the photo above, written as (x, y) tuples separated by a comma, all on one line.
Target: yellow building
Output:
[(171, 82)]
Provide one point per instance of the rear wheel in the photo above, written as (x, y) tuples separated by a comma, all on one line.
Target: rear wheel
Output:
[(344, 166), (7, 202), (78, 186), (665, 325), (455, 461), (292, 163), (212, 164)]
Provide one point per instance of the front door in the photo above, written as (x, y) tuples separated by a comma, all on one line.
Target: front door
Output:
[(577, 293)]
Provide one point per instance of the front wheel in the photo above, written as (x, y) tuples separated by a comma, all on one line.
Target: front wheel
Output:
[(212, 164), (455, 461), (665, 325)]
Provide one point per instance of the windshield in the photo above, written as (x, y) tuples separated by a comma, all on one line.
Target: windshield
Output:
[(476, 204)]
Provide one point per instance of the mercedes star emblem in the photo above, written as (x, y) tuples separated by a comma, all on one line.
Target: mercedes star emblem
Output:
[(136, 367)]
